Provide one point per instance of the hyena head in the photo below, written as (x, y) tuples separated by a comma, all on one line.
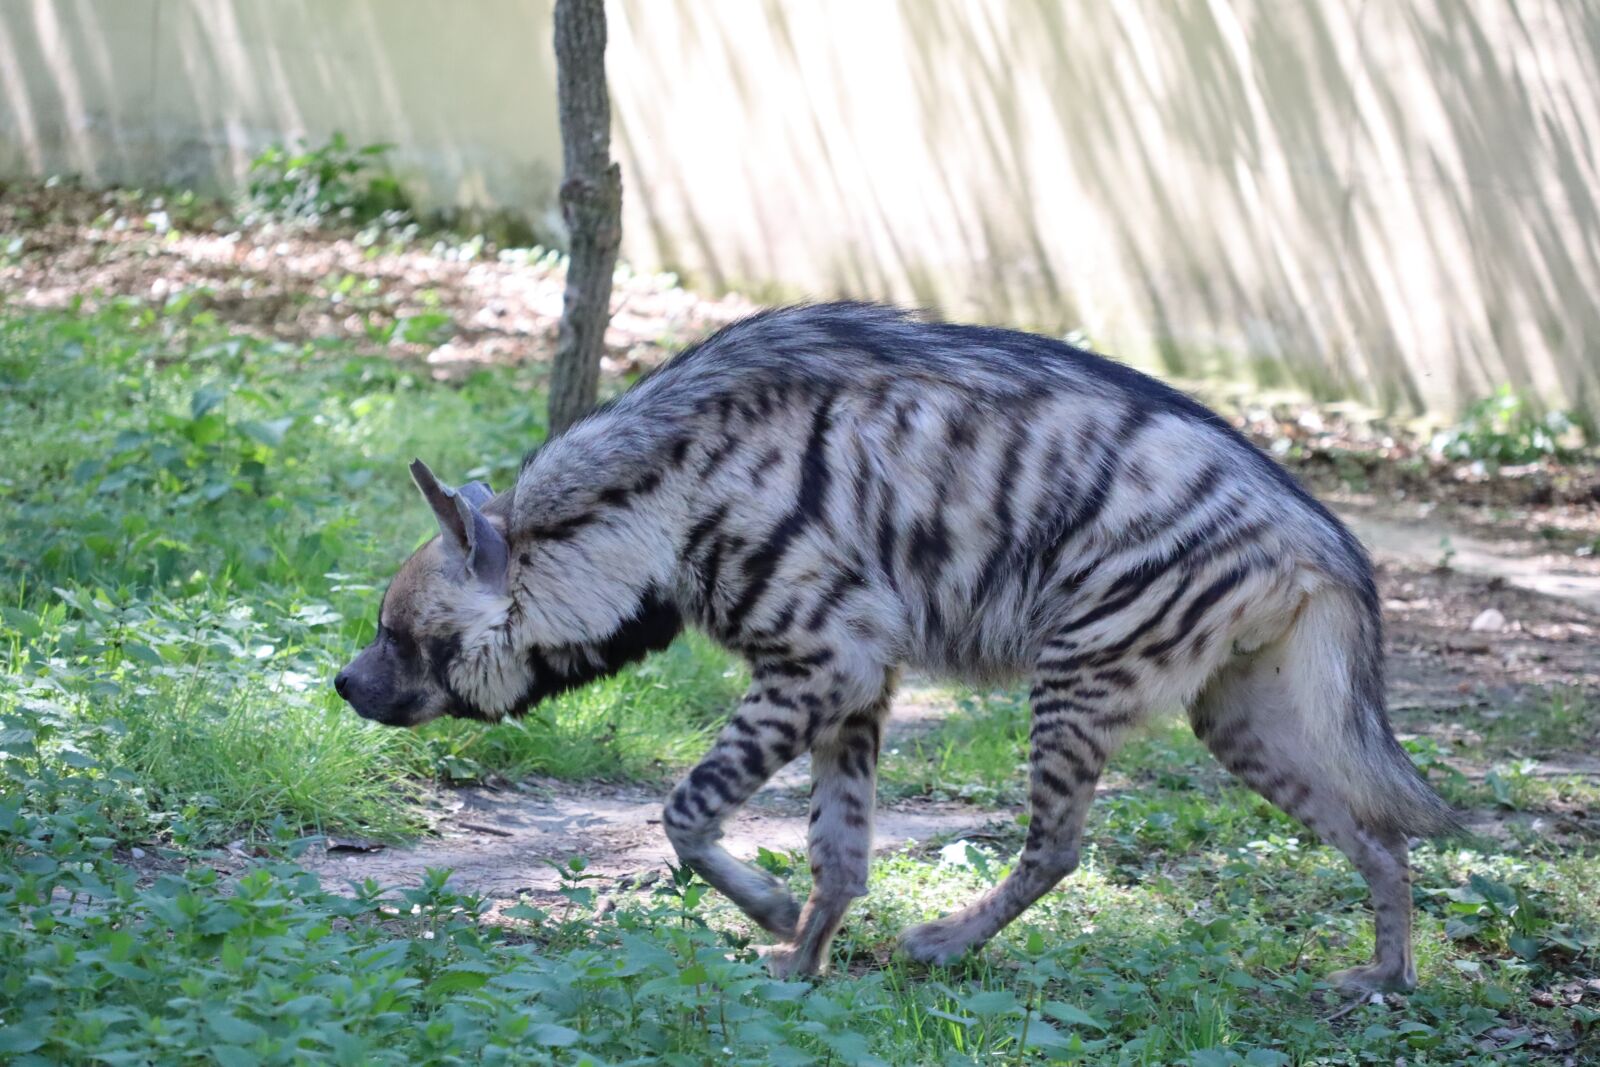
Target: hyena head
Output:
[(445, 645), (441, 646)]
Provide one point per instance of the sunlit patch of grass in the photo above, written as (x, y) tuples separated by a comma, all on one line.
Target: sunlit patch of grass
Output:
[(1555, 721), (978, 753)]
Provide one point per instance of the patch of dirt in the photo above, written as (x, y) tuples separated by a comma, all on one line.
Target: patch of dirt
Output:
[(1491, 639), (65, 243), (502, 842), (1547, 633)]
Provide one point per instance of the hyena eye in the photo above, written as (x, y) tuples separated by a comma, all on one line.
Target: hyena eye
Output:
[(404, 645)]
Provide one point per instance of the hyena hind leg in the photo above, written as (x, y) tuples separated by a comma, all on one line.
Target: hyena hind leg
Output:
[(1078, 722), (1250, 716)]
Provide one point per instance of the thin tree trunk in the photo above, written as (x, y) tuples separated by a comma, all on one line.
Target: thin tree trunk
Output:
[(591, 204)]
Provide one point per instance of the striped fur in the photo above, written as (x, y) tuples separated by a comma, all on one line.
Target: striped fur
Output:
[(839, 491)]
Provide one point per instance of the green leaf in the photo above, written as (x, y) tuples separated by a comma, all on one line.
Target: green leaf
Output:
[(991, 1002), (16, 740), (1497, 893), (269, 433), (1524, 946), (207, 429), (1066, 1013), (234, 1030), (456, 981), (1042, 1035), (553, 1035), (234, 1056), (206, 398), (25, 623), (19, 1039), (143, 653)]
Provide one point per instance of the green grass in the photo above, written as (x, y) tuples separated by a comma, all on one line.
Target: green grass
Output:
[(194, 529), (978, 754), (1196, 932)]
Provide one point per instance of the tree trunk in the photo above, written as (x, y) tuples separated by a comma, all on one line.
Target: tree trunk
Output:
[(591, 204)]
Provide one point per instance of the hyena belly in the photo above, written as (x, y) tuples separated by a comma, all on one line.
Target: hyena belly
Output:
[(838, 491)]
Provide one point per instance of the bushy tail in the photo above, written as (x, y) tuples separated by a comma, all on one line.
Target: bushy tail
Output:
[(1333, 659)]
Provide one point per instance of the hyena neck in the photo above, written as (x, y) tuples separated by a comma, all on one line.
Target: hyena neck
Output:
[(654, 625), (587, 557)]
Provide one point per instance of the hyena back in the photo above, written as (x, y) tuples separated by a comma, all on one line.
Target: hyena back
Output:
[(838, 491)]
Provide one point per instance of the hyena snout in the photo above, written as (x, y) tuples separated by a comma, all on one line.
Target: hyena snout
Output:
[(375, 693)]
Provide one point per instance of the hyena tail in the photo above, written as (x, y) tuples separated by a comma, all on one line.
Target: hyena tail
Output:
[(1332, 662)]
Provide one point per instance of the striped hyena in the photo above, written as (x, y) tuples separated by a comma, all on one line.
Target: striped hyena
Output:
[(836, 491)]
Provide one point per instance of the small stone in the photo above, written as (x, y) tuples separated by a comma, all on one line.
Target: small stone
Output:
[(1489, 620), (138, 853), (354, 844)]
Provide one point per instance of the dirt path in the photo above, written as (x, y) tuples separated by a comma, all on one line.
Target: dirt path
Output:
[(1505, 619), (502, 842), (1516, 559), (299, 285)]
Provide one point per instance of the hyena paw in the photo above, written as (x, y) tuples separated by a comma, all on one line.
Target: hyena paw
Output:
[(1372, 978), (940, 941), (778, 914), (786, 961)]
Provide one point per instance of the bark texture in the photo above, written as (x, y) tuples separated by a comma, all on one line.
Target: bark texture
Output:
[(591, 204)]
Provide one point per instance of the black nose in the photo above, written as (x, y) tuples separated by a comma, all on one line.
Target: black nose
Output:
[(341, 682)]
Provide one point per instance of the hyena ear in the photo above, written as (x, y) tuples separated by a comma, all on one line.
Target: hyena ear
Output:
[(478, 493), (467, 534)]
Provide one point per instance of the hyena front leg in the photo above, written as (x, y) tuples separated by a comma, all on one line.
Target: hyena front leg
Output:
[(844, 766), (1079, 719), (771, 728)]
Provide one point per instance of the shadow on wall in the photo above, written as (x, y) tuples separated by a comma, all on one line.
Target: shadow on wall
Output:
[(1393, 200), (187, 92)]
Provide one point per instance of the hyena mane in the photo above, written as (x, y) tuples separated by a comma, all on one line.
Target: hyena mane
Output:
[(838, 491)]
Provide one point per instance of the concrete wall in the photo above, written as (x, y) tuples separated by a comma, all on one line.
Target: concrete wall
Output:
[(1393, 199), (186, 92)]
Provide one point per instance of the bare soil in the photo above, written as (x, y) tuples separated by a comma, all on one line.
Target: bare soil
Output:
[(289, 283)]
